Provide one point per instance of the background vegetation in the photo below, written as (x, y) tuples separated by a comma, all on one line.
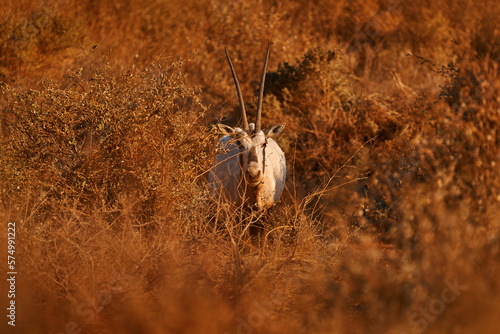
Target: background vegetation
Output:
[(390, 220)]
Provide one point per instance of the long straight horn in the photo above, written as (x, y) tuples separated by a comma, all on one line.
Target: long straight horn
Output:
[(240, 96), (258, 119)]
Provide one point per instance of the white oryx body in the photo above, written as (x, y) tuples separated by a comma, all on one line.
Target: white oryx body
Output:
[(250, 167), (228, 179)]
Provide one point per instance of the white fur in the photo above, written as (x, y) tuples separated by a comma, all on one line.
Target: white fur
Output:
[(229, 181), (225, 173), (250, 167)]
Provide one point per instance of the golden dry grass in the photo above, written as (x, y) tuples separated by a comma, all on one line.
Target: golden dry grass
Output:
[(389, 223)]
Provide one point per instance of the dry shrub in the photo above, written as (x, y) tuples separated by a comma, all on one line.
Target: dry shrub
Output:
[(109, 136), (30, 32), (392, 194)]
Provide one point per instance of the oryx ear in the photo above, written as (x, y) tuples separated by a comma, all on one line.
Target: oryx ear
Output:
[(226, 130), (274, 130)]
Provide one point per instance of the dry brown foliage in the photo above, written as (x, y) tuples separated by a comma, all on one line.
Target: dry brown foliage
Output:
[(389, 223)]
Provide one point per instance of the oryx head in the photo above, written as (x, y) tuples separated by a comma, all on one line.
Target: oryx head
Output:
[(252, 140)]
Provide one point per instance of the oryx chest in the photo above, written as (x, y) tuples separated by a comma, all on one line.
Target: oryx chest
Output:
[(268, 165)]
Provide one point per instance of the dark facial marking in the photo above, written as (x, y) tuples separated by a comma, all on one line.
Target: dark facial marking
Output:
[(252, 156)]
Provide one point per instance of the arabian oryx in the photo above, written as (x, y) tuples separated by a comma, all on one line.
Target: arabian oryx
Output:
[(250, 167)]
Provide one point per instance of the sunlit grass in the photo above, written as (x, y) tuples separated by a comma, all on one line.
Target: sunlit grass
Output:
[(389, 220)]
